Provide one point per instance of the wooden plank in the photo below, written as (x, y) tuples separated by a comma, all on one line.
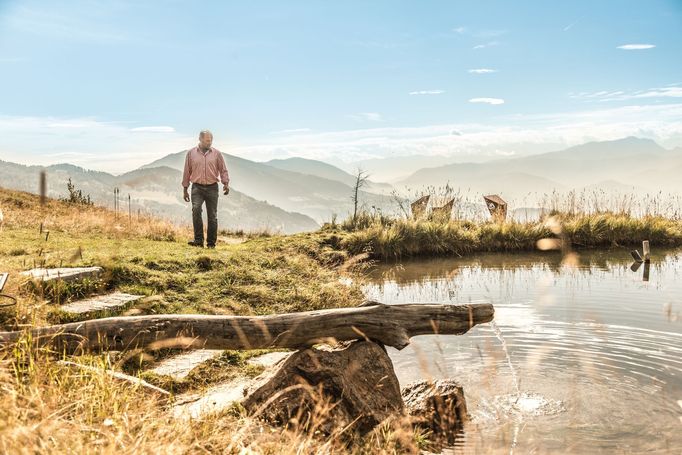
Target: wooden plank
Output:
[(109, 302), (3, 280), (391, 325)]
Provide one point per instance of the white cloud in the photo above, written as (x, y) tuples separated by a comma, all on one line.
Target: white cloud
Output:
[(490, 44), (487, 100), (111, 147), (367, 116), (85, 142), (153, 129), (482, 71), (524, 134), (460, 30), (636, 47), (292, 131), (427, 92), (570, 26), (669, 91)]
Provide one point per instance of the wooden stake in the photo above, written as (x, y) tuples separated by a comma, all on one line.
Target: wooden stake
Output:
[(646, 252)]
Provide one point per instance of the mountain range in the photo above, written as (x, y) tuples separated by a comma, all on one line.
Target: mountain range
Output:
[(297, 194)]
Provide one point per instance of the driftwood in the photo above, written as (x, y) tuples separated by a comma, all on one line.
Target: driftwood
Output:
[(391, 325)]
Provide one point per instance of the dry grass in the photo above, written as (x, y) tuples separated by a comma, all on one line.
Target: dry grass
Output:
[(23, 211), (48, 408)]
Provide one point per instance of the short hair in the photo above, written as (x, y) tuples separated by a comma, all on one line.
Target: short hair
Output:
[(204, 133)]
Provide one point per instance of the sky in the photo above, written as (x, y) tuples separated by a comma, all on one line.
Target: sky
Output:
[(111, 85)]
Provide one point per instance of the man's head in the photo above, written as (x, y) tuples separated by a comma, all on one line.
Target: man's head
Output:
[(205, 139)]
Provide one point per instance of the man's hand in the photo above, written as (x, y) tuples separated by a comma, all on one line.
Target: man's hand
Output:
[(185, 194), (226, 190)]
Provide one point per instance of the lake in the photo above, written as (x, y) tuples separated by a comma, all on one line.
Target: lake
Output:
[(594, 351)]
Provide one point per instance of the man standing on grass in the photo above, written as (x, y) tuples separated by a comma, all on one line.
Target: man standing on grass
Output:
[(204, 167)]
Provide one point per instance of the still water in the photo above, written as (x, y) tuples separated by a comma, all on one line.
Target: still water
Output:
[(594, 359)]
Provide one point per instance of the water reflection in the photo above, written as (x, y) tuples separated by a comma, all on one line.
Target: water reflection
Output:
[(595, 346)]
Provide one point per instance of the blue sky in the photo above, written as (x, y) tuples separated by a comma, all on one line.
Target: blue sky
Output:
[(112, 85)]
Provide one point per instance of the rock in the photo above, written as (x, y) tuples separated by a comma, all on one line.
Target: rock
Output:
[(328, 389), (101, 303), (438, 406), (179, 366), (269, 359), (63, 273)]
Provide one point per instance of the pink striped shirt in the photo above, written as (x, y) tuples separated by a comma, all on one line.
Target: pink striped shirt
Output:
[(205, 168)]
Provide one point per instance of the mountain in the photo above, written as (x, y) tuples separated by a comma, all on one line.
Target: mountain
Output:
[(156, 191), (396, 168), (629, 164), (315, 196), (327, 171)]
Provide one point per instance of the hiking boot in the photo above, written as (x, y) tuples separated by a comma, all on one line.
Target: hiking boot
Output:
[(193, 243), (212, 247)]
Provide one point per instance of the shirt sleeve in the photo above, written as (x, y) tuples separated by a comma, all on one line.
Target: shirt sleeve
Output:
[(186, 172), (224, 176)]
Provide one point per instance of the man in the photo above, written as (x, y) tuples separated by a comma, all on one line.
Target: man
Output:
[(204, 167)]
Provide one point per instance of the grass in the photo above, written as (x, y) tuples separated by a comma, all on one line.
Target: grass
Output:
[(383, 238), (46, 407)]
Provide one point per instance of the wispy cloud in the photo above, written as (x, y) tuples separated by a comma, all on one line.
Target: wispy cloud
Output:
[(527, 133), (636, 47), (88, 142), (153, 129), (479, 33), (292, 131), (427, 92), (482, 71), (49, 23), (487, 100), (571, 25), (670, 91), (490, 44), (367, 116)]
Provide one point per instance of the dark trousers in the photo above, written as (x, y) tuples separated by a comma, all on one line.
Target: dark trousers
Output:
[(208, 194)]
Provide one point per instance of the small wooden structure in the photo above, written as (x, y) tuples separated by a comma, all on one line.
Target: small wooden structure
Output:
[(419, 206), (444, 211), (496, 206)]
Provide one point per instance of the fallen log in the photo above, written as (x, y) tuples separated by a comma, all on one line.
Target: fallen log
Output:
[(391, 325)]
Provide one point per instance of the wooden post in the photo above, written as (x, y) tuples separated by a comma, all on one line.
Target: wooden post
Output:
[(646, 252), (645, 274), (43, 187)]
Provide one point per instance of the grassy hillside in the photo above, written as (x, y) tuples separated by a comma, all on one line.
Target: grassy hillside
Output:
[(46, 407), (155, 191)]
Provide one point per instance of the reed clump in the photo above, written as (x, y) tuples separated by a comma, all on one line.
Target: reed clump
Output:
[(397, 238)]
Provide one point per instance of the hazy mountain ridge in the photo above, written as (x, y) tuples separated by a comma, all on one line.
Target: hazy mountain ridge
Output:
[(313, 195), (630, 163), (157, 191)]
